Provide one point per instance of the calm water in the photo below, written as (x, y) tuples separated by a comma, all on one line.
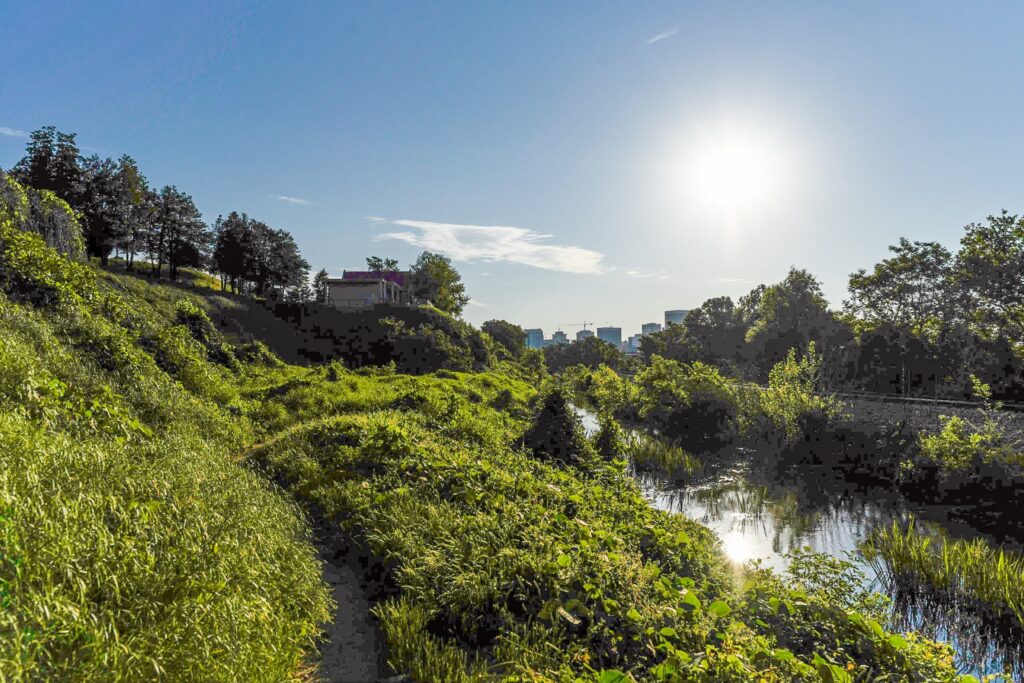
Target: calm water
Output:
[(762, 515)]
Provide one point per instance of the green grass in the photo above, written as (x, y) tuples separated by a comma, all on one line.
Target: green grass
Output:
[(504, 565), (132, 547), (649, 452)]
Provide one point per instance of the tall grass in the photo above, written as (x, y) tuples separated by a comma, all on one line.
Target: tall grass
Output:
[(131, 548), (648, 452), (966, 583)]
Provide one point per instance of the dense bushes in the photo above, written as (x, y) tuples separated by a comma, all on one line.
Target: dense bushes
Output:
[(418, 340), (691, 403)]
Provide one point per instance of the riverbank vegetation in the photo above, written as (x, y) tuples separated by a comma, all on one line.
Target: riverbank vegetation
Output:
[(953, 582), (509, 562)]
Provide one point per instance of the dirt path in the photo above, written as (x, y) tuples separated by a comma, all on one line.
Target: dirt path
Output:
[(353, 651)]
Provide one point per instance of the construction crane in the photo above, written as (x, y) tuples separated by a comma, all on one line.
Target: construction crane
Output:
[(584, 325)]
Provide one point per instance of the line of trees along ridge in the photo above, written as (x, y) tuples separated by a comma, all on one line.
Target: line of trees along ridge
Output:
[(120, 213)]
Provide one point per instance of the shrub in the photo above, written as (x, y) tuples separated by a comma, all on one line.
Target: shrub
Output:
[(961, 446), (690, 402), (556, 433), (791, 403)]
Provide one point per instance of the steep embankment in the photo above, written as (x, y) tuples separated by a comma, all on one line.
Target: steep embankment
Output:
[(132, 548)]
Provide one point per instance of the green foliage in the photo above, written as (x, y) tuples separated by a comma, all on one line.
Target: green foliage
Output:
[(972, 569), (960, 446), (648, 452), (133, 548), (511, 337), (201, 328), (435, 279), (556, 433), (691, 402), (505, 566), (609, 442), (590, 352), (792, 402)]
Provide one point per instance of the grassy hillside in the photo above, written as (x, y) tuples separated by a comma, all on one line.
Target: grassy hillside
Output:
[(133, 548)]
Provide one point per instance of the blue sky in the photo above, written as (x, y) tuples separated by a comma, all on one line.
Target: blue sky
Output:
[(579, 161)]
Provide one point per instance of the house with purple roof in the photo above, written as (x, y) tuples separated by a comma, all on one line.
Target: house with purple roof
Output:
[(357, 289)]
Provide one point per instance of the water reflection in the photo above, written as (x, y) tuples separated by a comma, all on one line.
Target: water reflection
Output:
[(761, 513)]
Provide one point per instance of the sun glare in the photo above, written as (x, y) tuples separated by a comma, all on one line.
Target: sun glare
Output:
[(737, 547), (733, 169)]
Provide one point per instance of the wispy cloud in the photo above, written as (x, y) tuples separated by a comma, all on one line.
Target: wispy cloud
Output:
[(730, 280), (376, 219), (289, 200), (13, 132), (645, 275), (491, 243), (662, 36), (474, 302)]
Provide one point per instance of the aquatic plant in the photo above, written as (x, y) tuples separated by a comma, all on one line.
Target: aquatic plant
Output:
[(943, 581), (649, 452)]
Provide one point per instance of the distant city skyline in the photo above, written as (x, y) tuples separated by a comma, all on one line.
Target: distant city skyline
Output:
[(605, 175)]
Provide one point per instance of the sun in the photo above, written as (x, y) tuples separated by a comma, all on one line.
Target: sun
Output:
[(730, 168)]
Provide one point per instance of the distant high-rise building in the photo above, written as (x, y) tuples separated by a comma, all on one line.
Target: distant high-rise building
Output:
[(633, 345), (612, 335), (675, 317), (650, 328), (534, 338), (584, 334), (559, 337)]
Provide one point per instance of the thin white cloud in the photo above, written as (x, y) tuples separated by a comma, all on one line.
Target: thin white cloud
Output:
[(490, 243), (730, 280), (289, 200), (13, 132), (474, 302), (376, 219), (662, 36), (644, 275)]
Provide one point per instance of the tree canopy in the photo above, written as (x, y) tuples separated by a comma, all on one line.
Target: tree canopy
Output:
[(435, 279)]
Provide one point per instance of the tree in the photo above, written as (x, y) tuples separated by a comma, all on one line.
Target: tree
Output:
[(590, 352), (990, 267), (100, 204), (135, 208), (436, 280), (716, 330), (911, 290), (272, 258), (510, 336), (789, 314), (51, 162), (179, 236), (232, 236), (320, 286), (376, 264)]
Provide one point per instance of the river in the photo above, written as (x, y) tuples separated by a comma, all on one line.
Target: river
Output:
[(760, 515)]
